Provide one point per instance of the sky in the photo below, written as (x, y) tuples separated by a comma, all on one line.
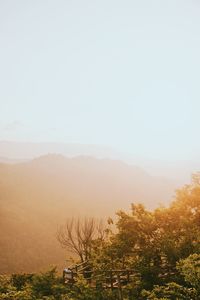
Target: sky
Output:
[(123, 74)]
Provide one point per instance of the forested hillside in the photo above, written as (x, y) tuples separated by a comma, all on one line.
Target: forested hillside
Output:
[(36, 196), (160, 248)]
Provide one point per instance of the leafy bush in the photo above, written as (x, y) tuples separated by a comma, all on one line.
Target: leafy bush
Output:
[(20, 280), (172, 291), (190, 269)]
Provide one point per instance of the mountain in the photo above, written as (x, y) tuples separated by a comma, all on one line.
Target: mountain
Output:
[(38, 195), (181, 171)]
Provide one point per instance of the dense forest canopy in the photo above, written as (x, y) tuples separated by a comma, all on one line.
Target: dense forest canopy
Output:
[(162, 246)]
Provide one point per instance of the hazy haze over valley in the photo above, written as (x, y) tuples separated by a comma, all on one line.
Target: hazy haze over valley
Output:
[(38, 195)]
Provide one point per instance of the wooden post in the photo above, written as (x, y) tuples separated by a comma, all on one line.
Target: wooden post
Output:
[(63, 277), (128, 276), (72, 276), (119, 287), (111, 280), (123, 262)]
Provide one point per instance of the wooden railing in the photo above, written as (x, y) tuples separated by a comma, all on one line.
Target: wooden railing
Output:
[(113, 279)]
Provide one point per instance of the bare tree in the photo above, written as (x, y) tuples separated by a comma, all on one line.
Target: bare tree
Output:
[(77, 235)]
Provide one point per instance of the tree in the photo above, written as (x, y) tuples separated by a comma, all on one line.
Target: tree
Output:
[(152, 242), (171, 291), (78, 235), (190, 269)]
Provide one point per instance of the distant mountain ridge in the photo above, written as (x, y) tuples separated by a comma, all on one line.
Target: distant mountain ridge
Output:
[(13, 152), (37, 195)]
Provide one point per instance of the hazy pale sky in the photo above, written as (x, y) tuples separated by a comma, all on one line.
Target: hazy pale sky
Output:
[(120, 73)]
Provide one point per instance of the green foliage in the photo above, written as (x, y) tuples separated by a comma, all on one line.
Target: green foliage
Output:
[(172, 291), (5, 284), (82, 291), (48, 285), (20, 280), (153, 242), (190, 269), (13, 294), (42, 283)]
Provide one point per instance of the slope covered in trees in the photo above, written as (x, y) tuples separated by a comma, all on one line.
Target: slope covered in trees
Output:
[(37, 196), (161, 246)]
